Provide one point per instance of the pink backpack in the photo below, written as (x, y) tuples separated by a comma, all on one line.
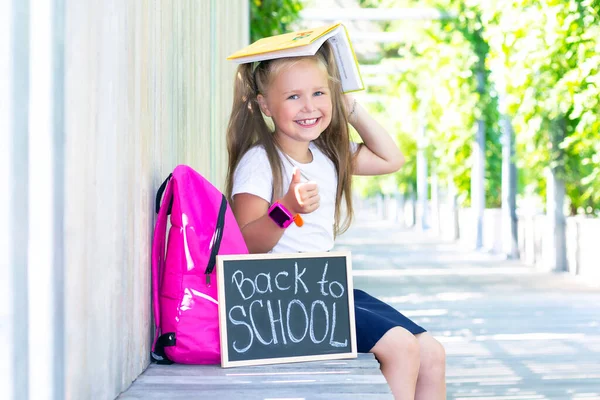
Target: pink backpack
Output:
[(184, 281)]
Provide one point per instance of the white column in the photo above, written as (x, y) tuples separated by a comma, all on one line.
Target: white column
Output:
[(422, 170), (422, 189), (478, 175), (510, 245), (45, 251), (555, 248), (477, 183), (435, 203), (453, 209), (14, 64)]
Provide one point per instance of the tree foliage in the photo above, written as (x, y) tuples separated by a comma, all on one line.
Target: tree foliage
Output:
[(541, 57), (549, 52), (272, 17)]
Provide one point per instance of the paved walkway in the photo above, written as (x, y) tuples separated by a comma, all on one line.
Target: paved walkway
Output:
[(510, 332)]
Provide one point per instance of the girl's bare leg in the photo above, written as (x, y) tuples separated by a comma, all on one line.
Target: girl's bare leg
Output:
[(431, 382), (398, 354)]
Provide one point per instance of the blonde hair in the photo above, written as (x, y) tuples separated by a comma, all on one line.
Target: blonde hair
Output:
[(247, 128)]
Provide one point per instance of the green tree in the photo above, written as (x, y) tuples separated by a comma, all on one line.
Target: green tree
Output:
[(272, 17), (546, 58), (446, 74), (551, 64)]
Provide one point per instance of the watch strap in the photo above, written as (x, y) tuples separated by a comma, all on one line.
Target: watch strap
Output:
[(297, 219)]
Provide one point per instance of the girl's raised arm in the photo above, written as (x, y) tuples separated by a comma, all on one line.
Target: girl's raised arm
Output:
[(260, 233), (379, 155)]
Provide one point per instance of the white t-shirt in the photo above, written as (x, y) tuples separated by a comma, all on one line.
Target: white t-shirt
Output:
[(253, 175)]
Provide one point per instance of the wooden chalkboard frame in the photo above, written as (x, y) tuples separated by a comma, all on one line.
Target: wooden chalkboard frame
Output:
[(226, 363)]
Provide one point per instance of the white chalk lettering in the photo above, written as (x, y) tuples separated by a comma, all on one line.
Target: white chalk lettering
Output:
[(288, 319), (332, 342), (277, 281), (340, 286), (239, 283), (273, 321), (289, 330), (298, 278), (268, 287), (256, 333), (236, 322), (323, 281), (312, 321)]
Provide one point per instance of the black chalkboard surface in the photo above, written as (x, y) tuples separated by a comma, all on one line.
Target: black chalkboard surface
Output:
[(276, 308)]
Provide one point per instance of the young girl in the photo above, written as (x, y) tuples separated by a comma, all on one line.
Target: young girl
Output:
[(304, 166)]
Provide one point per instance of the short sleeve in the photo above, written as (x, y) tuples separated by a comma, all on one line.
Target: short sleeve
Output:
[(253, 175)]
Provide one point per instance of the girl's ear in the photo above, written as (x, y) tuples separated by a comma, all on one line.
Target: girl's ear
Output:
[(262, 102)]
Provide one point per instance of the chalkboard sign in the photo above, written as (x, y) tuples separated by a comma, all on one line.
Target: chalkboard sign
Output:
[(277, 308)]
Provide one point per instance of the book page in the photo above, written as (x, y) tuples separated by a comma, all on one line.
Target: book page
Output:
[(347, 65)]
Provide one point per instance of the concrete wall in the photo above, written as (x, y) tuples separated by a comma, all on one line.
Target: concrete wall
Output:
[(120, 93), (534, 234), (582, 244)]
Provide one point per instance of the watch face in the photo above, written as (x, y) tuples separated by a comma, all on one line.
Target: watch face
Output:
[(279, 216)]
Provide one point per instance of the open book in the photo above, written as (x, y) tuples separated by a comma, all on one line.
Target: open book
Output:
[(306, 43)]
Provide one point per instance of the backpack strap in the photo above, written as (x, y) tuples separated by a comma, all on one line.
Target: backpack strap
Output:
[(158, 265), (159, 194), (216, 240)]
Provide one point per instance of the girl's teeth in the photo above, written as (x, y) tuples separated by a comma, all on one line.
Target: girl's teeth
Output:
[(307, 121)]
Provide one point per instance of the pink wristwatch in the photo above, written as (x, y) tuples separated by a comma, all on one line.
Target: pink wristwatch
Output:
[(282, 216)]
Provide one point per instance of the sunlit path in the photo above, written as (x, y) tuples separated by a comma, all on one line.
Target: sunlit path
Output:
[(510, 332)]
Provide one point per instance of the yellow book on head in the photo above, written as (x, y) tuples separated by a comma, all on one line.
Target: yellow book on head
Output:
[(307, 43)]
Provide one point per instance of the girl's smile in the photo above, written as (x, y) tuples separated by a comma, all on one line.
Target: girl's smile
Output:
[(309, 123)]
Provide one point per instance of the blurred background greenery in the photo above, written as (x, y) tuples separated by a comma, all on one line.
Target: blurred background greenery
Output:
[(531, 68)]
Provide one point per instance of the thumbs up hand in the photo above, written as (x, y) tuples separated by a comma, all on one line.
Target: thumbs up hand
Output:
[(301, 197)]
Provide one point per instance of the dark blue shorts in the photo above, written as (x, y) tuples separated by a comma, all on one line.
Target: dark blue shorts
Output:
[(374, 318)]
